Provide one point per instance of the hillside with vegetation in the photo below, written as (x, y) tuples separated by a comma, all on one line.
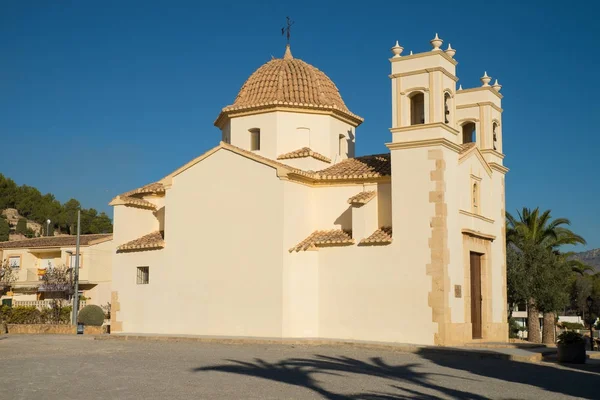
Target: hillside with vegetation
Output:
[(590, 257), (24, 211)]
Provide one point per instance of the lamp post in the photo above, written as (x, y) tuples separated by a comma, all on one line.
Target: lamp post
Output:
[(590, 302), (48, 227), (76, 271)]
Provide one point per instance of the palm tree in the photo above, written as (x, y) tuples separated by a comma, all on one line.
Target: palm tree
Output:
[(535, 230)]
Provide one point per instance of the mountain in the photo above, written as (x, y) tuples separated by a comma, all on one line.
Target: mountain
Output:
[(590, 257)]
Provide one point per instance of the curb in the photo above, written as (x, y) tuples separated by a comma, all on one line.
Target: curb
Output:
[(403, 348)]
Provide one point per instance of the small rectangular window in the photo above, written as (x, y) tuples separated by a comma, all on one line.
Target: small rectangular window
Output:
[(255, 139), (143, 275), (14, 261)]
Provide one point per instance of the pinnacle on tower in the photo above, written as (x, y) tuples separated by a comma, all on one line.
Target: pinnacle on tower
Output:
[(397, 50), (436, 43), (497, 86), (485, 79)]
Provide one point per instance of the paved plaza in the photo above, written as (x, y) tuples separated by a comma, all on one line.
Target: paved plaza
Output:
[(79, 367)]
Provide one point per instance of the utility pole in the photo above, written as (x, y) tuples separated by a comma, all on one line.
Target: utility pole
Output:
[(76, 273)]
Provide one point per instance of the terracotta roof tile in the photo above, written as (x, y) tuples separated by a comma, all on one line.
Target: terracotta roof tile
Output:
[(362, 197), (334, 237), (55, 241), (154, 240), (379, 237), (289, 81), (373, 166), (134, 201), (304, 152), (151, 188)]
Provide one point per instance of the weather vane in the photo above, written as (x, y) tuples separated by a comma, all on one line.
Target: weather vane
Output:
[(287, 28)]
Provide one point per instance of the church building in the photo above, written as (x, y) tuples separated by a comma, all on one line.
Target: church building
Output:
[(280, 231)]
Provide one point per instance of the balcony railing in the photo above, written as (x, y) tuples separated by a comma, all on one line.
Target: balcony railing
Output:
[(42, 304)]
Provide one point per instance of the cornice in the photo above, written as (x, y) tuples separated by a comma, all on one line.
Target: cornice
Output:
[(481, 88), (480, 235), (303, 108), (493, 152), (422, 126), (500, 168), (425, 71), (425, 54), (483, 103), (481, 217), (424, 143)]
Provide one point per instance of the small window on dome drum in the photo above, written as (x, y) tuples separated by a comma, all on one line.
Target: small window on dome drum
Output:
[(255, 139)]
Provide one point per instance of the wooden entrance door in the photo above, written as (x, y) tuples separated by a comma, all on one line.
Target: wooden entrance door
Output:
[(476, 299)]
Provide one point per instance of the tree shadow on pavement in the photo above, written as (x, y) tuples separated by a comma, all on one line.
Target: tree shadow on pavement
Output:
[(583, 383), (303, 372)]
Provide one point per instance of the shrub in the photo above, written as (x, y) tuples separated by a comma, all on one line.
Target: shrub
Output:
[(572, 325), (56, 315), (570, 337), (24, 315), (5, 312), (513, 328), (91, 315)]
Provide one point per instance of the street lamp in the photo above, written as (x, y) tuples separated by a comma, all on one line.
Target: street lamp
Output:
[(48, 227), (590, 302)]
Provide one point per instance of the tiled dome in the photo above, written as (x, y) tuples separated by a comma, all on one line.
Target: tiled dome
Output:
[(290, 82)]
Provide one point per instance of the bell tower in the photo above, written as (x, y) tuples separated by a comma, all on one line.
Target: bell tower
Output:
[(425, 151), (423, 88)]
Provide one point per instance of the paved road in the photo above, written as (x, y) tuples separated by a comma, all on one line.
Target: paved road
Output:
[(77, 367)]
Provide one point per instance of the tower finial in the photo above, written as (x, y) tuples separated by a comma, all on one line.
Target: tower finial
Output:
[(397, 50), (436, 43), (485, 79), (286, 30), (497, 86), (450, 51)]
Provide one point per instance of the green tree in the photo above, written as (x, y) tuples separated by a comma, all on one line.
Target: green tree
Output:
[(22, 226), (4, 230), (536, 239), (68, 217)]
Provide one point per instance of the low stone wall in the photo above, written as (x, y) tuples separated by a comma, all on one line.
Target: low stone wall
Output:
[(36, 329)]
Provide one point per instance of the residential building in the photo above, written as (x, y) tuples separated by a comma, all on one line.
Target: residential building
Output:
[(281, 231), (31, 258)]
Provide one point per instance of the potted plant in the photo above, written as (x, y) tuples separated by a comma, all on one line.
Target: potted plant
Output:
[(571, 348)]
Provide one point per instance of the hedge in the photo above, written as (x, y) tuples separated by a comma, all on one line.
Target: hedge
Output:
[(31, 315)]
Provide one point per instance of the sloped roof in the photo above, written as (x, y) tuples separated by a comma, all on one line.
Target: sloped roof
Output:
[(362, 197), (134, 201), (151, 188), (372, 166), (380, 237), (333, 237), (154, 240), (302, 153), (56, 241)]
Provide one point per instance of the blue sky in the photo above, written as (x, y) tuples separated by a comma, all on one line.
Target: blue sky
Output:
[(97, 98)]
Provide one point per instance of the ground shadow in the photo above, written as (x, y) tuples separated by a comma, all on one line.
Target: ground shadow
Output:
[(584, 383), (304, 372)]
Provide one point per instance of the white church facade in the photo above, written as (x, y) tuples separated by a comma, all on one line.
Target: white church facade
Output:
[(281, 232)]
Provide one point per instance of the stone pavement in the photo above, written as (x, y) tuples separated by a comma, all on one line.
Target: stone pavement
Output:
[(79, 367)]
